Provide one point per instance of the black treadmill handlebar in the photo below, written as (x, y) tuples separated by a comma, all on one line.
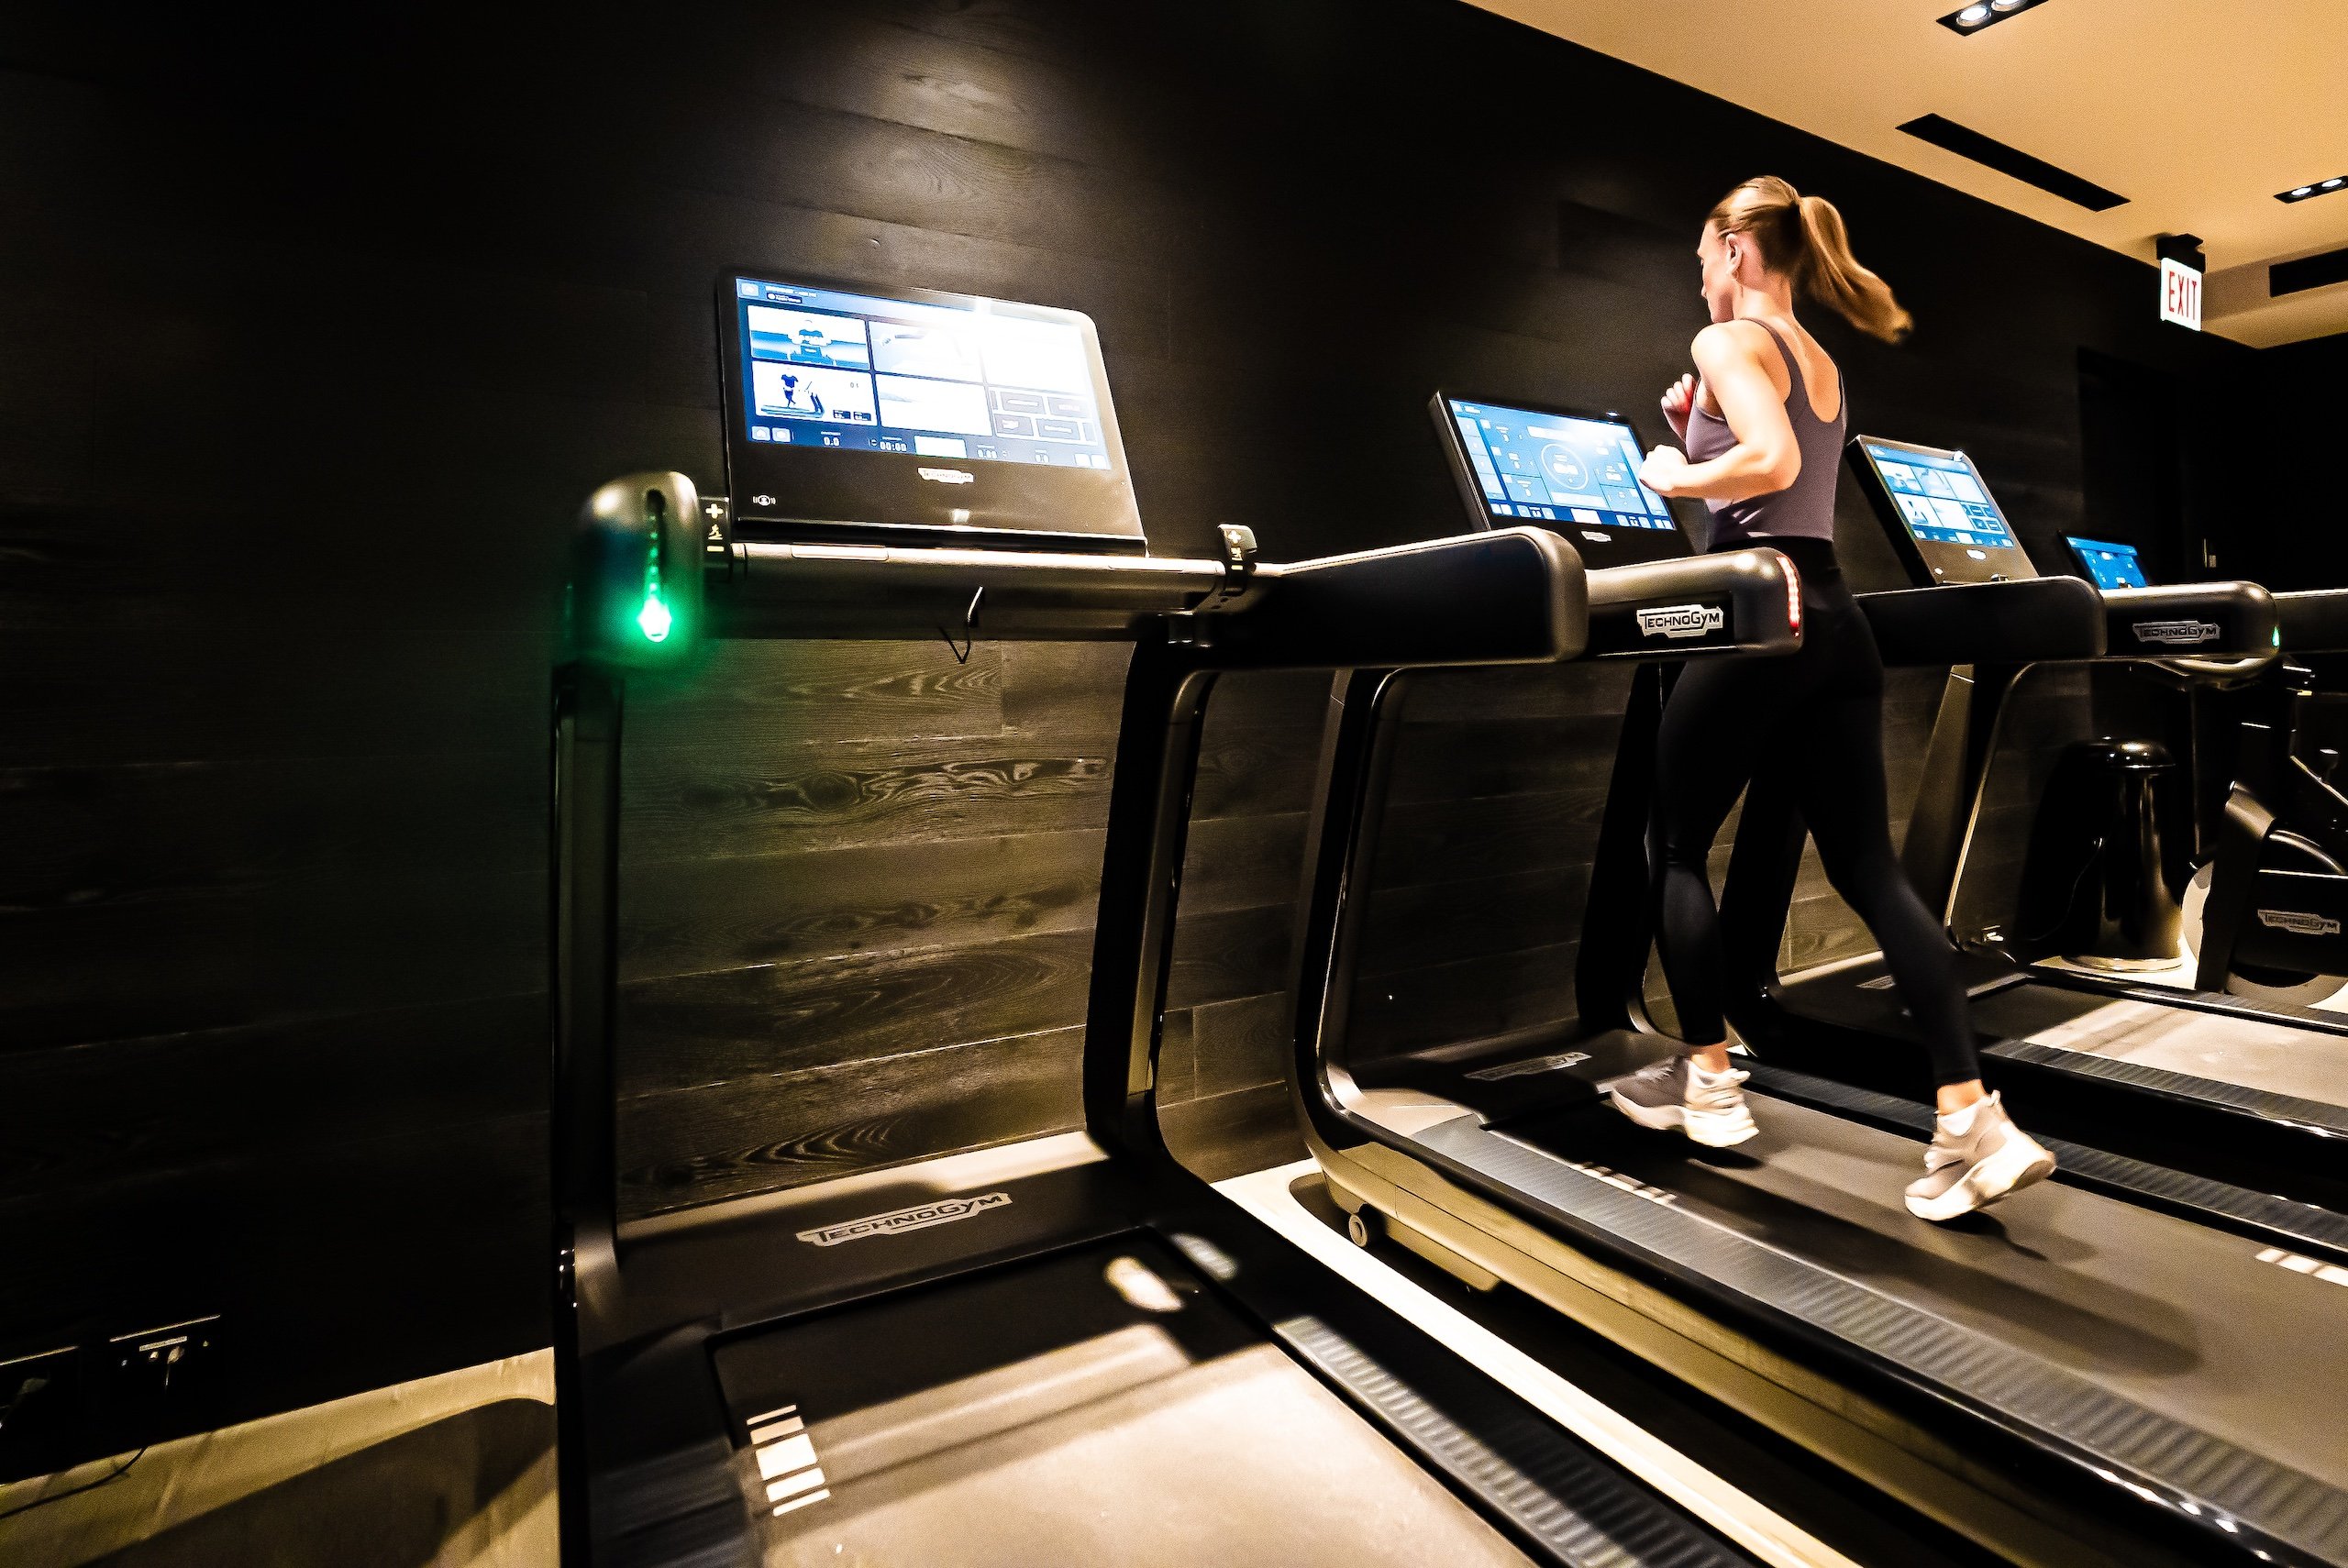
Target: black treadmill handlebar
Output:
[(2313, 620), (2029, 620), (777, 564), (1736, 601), (2197, 620), (1506, 596)]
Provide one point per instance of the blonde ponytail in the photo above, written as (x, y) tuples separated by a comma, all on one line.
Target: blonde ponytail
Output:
[(1803, 236), (1836, 281)]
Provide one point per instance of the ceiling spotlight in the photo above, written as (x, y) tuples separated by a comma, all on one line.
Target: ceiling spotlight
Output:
[(2314, 188), (1979, 14)]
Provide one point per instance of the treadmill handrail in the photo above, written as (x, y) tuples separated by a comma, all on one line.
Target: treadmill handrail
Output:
[(1665, 609), (2025, 621), (2313, 620), (1491, 597), (2202, 619), (1498, 597)]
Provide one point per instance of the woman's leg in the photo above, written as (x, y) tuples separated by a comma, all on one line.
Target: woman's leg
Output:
[(1842, 792), (1706, 750)]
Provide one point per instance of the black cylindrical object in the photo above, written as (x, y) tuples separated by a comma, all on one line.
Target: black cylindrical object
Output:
[(2097, 888)]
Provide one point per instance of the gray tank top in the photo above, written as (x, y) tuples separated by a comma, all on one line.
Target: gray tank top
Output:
[(1805, 510)]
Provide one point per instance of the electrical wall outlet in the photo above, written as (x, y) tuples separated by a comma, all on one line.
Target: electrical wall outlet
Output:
[(158, 1380)]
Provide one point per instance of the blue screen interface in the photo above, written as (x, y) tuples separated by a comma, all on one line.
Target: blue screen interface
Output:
[(2109, 564), (1941, 497), (1551, 468), (825, 369)]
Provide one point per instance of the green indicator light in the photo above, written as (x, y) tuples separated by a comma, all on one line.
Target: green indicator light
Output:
[(654, 619), (2278, 636)]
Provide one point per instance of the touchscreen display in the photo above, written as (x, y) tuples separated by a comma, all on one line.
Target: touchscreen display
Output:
[(969, 380), (1554, 467), (1940, 496), (2108, 565)]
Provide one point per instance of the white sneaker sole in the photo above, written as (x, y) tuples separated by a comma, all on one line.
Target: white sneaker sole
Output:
[(2020, 1163), (1714, 1129)]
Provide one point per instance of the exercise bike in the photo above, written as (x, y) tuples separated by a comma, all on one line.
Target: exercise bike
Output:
[(2267, 916)]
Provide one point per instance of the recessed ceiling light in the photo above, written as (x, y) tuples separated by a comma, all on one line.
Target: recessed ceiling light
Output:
[(2314, 188), (1980, 15)]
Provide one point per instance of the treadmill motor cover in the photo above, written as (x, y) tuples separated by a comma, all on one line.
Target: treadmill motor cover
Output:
[(917, 418)]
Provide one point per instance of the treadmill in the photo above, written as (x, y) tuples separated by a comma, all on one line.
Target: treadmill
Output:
[(1066, 1348), (2245, 1095), (2078, 1377)]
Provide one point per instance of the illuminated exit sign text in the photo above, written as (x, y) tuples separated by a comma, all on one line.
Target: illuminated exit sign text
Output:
[(2180, 292)]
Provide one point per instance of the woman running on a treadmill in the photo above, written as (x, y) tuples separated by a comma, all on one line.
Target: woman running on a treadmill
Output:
[(1763, 420)]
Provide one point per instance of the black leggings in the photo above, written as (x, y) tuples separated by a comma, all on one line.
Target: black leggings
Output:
[(1807, 733)]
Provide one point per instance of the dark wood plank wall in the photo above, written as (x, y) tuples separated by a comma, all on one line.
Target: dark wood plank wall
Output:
[(313, 334)]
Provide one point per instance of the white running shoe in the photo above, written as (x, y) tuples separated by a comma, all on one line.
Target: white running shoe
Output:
[(1709, 1106), (1991, 1159)]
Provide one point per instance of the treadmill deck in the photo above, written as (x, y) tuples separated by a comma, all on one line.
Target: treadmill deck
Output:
[(2144, 1344), (1083, 1409)]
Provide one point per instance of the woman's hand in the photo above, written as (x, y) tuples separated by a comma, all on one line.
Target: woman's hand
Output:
[(1678, 402), (1666, 471)]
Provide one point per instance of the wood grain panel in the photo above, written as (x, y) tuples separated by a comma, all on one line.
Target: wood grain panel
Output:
[(1473, 761), (98, 837), (315, 946), (772, 693), (1409, 928), (691, 1031), (919, 79), (1468, 998), (1447, 841), (849, 164), (91, 699), (694, 1146), (306, 1085), (680, 917)]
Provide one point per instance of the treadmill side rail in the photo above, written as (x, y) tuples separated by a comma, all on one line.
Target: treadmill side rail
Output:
[(2200, 619), (1737, 601)]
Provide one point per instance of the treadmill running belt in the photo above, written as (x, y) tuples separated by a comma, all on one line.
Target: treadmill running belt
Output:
[(2261, 1064), (2176, 1352)]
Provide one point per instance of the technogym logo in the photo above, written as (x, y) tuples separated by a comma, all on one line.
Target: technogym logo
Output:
[(2297, 924), (2176, 634), (920, 1216), (1681, 620)]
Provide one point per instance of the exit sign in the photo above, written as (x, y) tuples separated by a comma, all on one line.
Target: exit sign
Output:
[(2181, 291)]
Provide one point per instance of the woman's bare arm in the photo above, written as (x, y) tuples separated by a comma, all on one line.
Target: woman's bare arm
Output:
[(1766, 457)]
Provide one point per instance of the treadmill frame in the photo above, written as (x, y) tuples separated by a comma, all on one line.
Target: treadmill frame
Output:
[(639, 1306), (1483, 1204)]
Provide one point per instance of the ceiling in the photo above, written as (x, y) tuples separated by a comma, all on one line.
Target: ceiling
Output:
[(2198, 111)]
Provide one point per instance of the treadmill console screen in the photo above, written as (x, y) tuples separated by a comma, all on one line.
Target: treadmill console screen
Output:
[(859, 410), (2108, 565), (1941, 516), (1576, 473)]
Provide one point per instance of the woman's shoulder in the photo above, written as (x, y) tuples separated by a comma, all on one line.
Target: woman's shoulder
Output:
[(1737, 337)]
